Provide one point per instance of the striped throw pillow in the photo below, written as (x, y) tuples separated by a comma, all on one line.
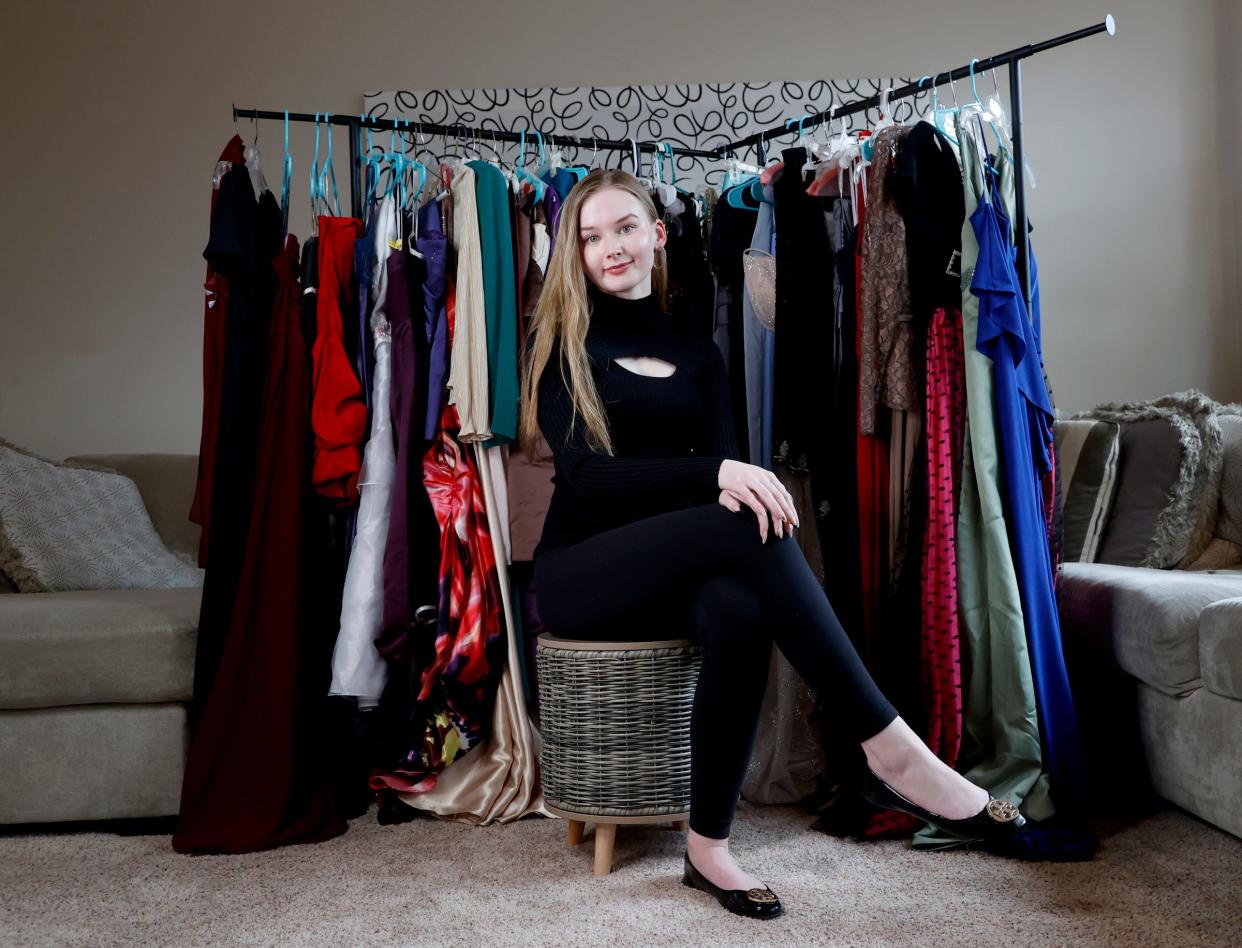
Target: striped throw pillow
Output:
[(1087, 454)]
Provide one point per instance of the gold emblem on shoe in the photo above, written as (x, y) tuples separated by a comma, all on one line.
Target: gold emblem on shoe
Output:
[(1002, 811), (761, 896)]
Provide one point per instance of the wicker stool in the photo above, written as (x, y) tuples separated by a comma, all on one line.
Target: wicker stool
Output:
[(615, 728)]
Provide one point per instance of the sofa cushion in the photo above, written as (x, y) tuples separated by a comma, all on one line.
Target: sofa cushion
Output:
[(65, 527), (133, 646), (1087, 472), (1220, 647), (103, 762), (1147, 619)]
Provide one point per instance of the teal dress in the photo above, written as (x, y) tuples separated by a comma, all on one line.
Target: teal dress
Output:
[(500, 300)]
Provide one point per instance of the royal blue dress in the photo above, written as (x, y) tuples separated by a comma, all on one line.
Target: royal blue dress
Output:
[(1024, 420)]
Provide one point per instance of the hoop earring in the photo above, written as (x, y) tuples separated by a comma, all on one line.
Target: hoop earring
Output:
[(654, 264)]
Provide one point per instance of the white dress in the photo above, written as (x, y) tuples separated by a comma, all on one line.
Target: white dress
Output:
[(358, 669)]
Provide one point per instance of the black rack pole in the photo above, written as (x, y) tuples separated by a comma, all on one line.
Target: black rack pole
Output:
[(1013, 60), (913, 88), (462, 131), (356, 123)]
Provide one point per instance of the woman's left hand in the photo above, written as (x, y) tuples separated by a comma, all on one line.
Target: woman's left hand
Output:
[(731, 501)]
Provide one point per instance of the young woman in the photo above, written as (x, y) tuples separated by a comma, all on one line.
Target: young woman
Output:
[(654, 520)]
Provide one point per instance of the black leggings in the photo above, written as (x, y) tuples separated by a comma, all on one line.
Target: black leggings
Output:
[(704, 570)]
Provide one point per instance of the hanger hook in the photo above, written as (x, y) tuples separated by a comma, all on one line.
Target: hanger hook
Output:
[(973, 90), (634, 153)]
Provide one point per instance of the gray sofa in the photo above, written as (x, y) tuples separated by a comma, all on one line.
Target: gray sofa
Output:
[(1155, 664), (94, 685)]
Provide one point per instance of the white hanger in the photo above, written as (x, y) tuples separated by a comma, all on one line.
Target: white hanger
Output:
[(886, 111)]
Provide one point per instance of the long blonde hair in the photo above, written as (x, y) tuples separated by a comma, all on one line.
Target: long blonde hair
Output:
[(563, 313)]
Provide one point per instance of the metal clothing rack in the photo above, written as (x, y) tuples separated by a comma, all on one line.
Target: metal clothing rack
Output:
[(1011, 59)]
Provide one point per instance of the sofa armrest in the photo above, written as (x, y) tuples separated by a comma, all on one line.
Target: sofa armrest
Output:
[(1220, 647), (166, 483)]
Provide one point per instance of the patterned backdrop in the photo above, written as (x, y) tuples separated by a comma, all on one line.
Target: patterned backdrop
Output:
[(684, 116)]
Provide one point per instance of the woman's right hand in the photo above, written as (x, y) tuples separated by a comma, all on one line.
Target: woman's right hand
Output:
[(760, 490)]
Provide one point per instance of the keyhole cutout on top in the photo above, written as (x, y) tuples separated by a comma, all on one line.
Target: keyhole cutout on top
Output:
[(649, 366)]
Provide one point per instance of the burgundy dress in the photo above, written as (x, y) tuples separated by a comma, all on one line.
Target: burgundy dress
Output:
[(254, 778)]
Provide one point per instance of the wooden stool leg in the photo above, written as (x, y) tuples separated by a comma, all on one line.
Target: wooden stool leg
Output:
[(681, 826), (605, 835), (574, 834)]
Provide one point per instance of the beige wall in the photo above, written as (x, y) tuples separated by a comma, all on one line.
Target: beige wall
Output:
[(115, 112)]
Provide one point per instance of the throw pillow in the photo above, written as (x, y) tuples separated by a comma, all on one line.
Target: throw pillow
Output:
[(1086, 454), (1176, 500), (64, 527), (1229, 521), (1151, 459)]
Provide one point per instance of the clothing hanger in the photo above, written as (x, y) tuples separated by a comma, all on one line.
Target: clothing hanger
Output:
[(254, 163), (998, 112), (825, 164), (933, 114), (638, 172), (314, 183), (578, 171), (884, 121), (287, 180), (328, 173), (984, 112), (886, 111), (743, 187), (540, 186), (372, 170)]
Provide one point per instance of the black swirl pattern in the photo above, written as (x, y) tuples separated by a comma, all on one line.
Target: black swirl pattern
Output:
[(684, 116)]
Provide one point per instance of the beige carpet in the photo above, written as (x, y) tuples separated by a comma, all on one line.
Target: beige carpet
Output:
[(1165, 879)]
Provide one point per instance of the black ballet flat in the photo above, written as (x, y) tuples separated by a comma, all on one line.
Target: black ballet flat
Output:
[(751, 903), (998, 821)]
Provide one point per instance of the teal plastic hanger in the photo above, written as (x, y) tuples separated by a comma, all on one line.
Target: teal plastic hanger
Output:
[(577, 171), (372, 165), (328, 173), (938, 111), (983, 108), (540, 186), (314, 182)]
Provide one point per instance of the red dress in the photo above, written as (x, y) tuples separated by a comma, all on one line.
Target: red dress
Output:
[(945, 407), (338, 411)]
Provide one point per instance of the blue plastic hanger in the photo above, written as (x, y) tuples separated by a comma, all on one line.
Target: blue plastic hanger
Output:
[(328, 173), (983, 108), (540, 186), (314, 182), (288, 179)]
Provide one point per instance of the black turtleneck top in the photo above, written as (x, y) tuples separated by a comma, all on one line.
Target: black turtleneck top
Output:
[(670, 435)]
